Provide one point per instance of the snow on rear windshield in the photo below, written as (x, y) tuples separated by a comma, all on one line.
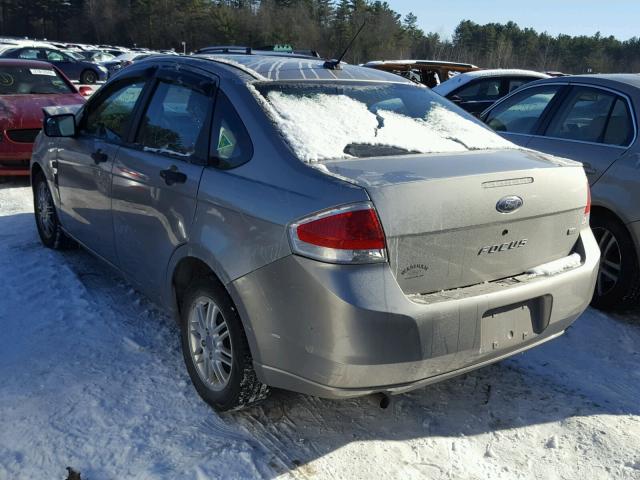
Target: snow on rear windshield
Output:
[(333, 121)]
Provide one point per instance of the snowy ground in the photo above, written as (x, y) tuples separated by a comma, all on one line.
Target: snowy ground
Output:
[(91, 376)]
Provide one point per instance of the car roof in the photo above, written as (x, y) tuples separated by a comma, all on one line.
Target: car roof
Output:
[(283, 68), (627, 83), (627, 79), (18, 62), (376, 63), (453, 83)]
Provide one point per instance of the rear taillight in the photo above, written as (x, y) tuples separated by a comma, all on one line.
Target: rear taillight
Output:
[(351, 234), (587, 208)]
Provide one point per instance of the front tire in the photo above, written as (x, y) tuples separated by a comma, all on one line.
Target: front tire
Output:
[(215, 349), (618, 284), (49, 229), (88, 77)]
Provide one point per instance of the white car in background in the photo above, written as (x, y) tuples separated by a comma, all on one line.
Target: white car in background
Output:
[(478, 90)]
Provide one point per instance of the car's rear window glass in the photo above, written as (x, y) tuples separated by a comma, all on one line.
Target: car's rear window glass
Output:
[(342, 120), (31, 80)]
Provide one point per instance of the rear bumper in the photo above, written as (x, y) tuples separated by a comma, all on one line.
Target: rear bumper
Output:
[(341, 331)]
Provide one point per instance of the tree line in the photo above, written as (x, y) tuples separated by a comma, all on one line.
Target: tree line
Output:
[(322, 25)]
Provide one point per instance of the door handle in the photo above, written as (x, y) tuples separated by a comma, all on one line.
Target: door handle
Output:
[(173, 175), (99, 156)]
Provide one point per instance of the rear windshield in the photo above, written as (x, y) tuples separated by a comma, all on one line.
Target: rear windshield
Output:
[(31, 80), (343, 120)]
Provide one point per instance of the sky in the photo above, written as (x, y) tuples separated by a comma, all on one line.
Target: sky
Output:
[(620, 18)]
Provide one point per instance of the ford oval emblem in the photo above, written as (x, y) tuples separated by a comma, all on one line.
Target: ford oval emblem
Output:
[(509, 204)]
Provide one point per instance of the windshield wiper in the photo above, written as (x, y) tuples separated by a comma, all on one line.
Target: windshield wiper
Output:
[(363, 150)]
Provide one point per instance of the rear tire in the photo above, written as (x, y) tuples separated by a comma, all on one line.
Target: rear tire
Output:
[(618, 284), (88, 77), (215, 348), (49, 229)]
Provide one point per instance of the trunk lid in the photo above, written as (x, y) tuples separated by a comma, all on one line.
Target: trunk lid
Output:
[(441, 220)]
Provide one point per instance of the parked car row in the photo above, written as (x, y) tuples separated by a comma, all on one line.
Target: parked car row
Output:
[(86, 64)]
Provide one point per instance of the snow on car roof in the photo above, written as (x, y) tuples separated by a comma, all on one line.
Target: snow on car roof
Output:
[(448, 86), (282, 68)]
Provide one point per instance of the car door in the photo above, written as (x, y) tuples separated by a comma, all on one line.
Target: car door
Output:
[(592, 125), (476, 96), (86, 160), (69, 66), (156, 175), (519, 116)]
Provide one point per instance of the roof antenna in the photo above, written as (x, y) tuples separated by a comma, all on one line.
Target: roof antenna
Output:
[(335, 64)]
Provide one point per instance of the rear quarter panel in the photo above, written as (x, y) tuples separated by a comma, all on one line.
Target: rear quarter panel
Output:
[(618, 189), (242, 213)]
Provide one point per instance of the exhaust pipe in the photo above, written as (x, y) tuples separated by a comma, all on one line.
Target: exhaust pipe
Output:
[(382, 399)]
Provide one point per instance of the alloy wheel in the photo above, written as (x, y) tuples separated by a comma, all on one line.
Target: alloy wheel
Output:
[(210, 344), (610, 261), (45, 209)]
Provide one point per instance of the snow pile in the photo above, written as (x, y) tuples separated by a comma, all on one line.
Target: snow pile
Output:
[(557, 266), (320, 126)]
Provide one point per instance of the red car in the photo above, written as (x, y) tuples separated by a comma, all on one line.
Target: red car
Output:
[(26, 87)]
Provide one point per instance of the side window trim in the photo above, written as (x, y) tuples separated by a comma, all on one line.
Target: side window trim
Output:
[(623, 96)]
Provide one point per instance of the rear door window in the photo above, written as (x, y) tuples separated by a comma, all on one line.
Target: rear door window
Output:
[(175, 121), (583, 116), (54, 56), (619, 129), (521, 112)]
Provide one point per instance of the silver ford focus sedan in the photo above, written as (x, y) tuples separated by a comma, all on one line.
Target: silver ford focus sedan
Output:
[(333, 230)]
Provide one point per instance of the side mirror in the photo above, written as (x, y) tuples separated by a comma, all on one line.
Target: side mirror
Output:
[(85, 90), (63, 125)]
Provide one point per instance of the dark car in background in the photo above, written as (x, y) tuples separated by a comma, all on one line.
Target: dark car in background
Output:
[(592, 119), (118, 63), (25, 88), (478, 90), (75, 69)]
